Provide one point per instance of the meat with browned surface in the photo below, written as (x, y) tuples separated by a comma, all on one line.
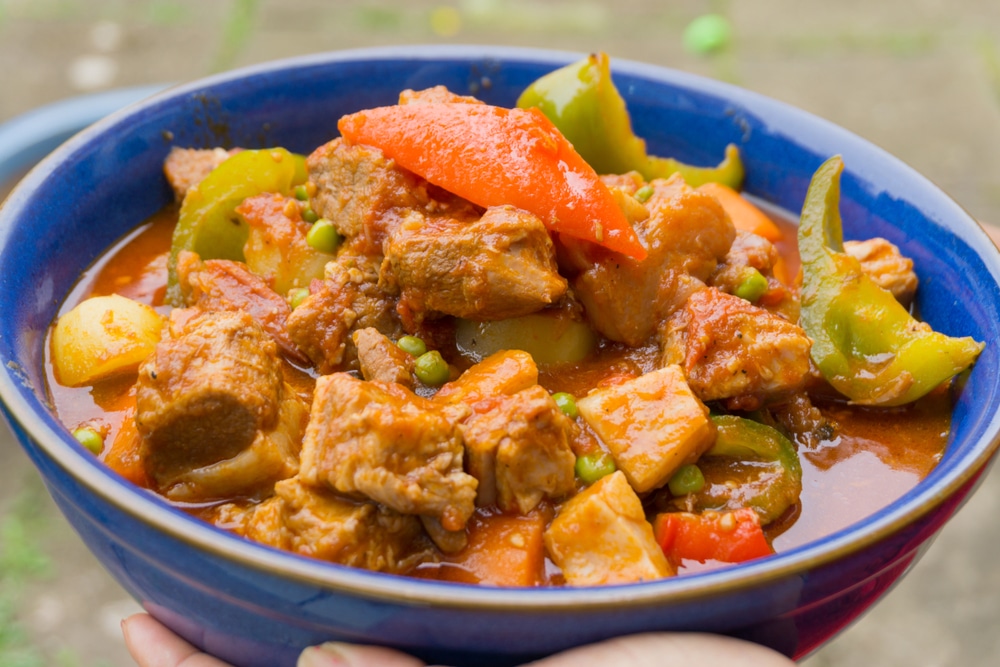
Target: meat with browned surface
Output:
[(381, 359), (886, 265), (213, 410), (381, 441), (519, 450), (346, 300), (186, 167), (734, 351), (687, 235), (500, 265), (750, 253), (315, 522), (225, 285)]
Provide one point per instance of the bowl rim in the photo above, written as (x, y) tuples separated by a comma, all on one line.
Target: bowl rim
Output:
[(148, 508)]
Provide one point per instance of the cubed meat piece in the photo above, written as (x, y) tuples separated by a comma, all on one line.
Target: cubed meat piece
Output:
[(501, 265), (225, 285), (601, 536), (383, 442), (276, 247), (318, 523), (187, 167), (730, 349), (381, 359), (357, 185), (652, 425), (687, 234), (434, 95), (750, 253), (503, 373), (519, 450), (213, 410), (348, 299), (886, 265)]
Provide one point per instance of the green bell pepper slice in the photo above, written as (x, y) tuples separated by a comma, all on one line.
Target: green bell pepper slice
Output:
[(583, 102), (865, 343), (208, 223), (750, 465)]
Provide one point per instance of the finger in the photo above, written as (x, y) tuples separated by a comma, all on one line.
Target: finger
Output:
[(153, 645), (335, 654), (668, 650)]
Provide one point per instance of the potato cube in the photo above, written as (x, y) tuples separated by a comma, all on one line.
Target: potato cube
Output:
[(601, 536), (652, 425), (101, 337)]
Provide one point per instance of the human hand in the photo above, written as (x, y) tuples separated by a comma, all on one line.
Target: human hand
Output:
[(152, 645)]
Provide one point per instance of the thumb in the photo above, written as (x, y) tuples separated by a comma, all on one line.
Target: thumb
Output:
[(338, 654), (668, 649)]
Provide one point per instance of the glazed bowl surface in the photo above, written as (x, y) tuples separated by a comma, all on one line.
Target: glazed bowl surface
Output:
[(254, 606)]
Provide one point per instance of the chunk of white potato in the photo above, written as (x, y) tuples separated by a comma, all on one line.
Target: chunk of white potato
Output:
[(101, 337), (652, 425), (601, 536), (549, 339)]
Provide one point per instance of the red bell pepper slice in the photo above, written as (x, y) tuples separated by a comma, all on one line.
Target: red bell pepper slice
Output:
[(494, 156), (730, 537)]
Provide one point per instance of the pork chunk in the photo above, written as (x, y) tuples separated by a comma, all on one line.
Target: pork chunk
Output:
[(318, 523), (730, 349), (601, 536), (501, 265), (186, 167), (357, 185), (213, 410), (652, 425), (383, 442), (381, 359), (749, 253), (225, 285), (687, 235), (886, 265), (519, 450), (346, 300)]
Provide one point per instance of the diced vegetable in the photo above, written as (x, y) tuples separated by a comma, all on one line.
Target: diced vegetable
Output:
[(744, 214), (601, 536), (504, 373), (503, 550), (101, 337), (753, 285), (208, 223), (412, 345), (548, 339), (750, 465), (90, 438), (494, 156), (866, 345), (652, 425), (566, 403), (582, 101), (730, 537), (688, 479)]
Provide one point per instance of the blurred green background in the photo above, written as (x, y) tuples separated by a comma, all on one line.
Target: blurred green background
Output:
[(920, 78)]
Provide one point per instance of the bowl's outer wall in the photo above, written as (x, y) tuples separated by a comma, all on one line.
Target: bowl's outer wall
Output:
[(75, 204)]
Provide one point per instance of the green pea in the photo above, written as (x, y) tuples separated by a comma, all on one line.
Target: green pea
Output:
[(413, 345), (644, 193), (752, 287), (706, 34), (301, 193), (431, 368), (323, 236), (687, 479), (297, 295), (310, 215), (592, 467), (566, 403), (89, 438)]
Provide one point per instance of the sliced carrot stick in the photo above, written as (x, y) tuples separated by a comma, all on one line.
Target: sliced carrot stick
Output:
[(503, 550), (744, 215)]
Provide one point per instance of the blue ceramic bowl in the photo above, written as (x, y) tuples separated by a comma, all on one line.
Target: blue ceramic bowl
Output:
[(255, 606)]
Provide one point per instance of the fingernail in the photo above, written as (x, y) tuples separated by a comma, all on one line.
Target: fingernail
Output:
[(324, 655)]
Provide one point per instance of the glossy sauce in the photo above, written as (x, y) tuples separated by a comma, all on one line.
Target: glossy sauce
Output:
[(877, 457)]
